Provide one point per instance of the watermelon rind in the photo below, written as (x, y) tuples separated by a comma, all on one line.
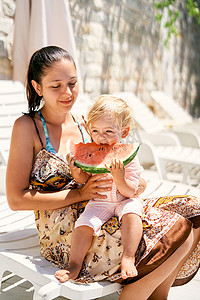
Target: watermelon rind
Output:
[(101, 170)]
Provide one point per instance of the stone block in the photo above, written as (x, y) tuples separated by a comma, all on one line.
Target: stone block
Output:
[(8, 7), (5, 69), (92, 85), (3, 51), (96, 29), (98, 4), (135, 5), (94, 70), (5, 26)]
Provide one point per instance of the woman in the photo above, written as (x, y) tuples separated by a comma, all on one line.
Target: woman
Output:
[(38, 178)]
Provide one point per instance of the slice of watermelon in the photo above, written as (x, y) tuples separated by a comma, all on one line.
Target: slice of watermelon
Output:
[(91, 157)]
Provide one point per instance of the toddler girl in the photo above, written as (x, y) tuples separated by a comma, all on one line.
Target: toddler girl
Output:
[(109, 120)]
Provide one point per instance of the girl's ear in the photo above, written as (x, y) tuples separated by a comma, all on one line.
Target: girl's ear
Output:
[(37, 87), (125, 132)]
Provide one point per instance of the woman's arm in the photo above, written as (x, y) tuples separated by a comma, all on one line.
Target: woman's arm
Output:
[(141, 187), (24, 146)]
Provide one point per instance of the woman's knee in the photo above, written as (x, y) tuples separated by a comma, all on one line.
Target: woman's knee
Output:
[(187, 245), (163, 296), (197, 234)]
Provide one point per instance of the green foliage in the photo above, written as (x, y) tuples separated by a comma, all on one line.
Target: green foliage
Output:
[(192, 7)]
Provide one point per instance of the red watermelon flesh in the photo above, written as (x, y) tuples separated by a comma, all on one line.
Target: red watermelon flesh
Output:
[(92, 157)]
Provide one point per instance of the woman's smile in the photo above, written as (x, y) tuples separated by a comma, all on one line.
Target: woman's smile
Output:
[(66, 102)]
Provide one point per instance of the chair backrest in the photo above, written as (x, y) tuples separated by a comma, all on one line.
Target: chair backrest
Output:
[(11, 87), (12, 104), (143, 116), (171, 107)]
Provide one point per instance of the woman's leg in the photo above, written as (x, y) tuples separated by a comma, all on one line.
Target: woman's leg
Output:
[(81, 242), (131, 236), (145, 287), (163, 289)]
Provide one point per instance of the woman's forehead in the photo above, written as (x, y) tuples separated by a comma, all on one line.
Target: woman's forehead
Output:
[(61, 70)]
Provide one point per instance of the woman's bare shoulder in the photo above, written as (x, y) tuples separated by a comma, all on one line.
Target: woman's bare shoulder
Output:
[(23, 122), (24, 136), (24, 127), (24, 119)]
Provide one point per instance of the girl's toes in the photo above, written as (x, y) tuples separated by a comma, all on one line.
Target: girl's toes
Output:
[(62, 275), (123, 274)]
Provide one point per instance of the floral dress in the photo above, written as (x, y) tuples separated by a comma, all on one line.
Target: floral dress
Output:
[(167, 222)]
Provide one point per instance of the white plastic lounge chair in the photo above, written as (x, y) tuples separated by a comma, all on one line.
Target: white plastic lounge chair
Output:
[(150, 123), (177, 117), (166, 146), (8, 114), (171, 157), (10, 86), (20, 250), (173, 109), (12, 104)]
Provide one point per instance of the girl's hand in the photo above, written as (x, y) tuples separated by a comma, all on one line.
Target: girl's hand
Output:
[(95, 187), (79, 175), (70, 160), (74, 169), (116, 169)]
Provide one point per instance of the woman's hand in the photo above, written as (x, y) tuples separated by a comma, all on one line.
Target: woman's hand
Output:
[(141, 187), (95, 187)]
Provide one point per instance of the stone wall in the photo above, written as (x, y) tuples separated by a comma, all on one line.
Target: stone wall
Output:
[(186, 64), (120, 47), (7, 11), (117, 43)]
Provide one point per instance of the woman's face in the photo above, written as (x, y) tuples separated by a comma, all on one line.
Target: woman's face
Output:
[(59, 86)]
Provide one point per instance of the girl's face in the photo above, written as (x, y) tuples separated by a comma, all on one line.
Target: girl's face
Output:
[(105, 131), (59, 86)]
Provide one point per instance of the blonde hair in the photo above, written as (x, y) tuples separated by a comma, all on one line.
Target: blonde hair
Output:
[(112, 107)]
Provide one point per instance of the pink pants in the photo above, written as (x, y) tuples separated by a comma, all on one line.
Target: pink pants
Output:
[(97, 213)]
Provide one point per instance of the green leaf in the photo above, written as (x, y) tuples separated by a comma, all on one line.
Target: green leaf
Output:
[(192, 7)]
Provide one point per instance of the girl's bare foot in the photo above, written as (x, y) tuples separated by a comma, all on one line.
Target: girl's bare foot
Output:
[(128, 268), (64, 275)]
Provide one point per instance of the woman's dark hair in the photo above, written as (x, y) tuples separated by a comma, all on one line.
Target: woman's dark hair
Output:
[(40, 61)]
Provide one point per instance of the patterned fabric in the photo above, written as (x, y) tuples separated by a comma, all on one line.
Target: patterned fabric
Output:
[(165, 228), (50, 173), (97, 213)]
